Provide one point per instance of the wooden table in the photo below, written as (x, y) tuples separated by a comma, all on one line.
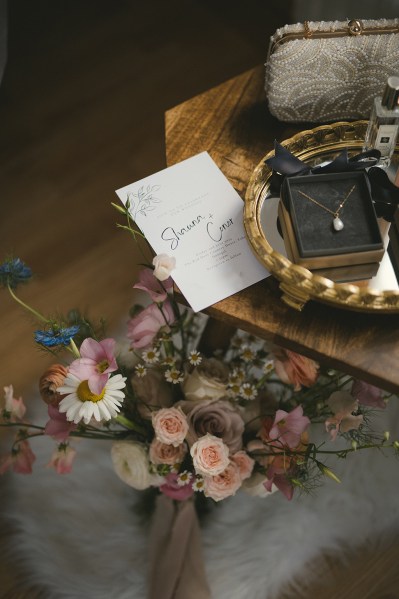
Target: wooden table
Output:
[(232, 123)]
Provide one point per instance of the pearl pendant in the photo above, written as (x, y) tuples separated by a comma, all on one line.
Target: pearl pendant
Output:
[(338, 224)]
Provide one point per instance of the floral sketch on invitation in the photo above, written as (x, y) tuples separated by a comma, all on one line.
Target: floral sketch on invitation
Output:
[(143, 201)]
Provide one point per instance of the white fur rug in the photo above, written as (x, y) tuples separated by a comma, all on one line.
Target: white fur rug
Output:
[(80, 537)]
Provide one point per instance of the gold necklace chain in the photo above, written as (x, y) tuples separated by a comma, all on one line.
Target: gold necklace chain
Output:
[(337, 222)]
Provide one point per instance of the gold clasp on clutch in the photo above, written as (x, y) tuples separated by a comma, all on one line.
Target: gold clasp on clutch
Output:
[(355, 27), (308, 31)]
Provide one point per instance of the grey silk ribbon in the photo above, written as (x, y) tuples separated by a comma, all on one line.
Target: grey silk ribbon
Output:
[(176, 562)]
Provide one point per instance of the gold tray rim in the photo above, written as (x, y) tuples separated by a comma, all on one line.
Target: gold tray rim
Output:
[(298, 284)]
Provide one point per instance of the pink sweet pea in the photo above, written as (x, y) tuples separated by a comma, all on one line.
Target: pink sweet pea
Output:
[(294, 369), (288, 427), (342, 404), (143, 327), (20, 460), (277, 475), (173, 490), (62, 459), (58, 426), (163, 266), (368, 395), (13, 408), (149, 283), (96, 363)]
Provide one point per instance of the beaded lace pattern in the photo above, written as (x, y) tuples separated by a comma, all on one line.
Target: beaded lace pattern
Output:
[(329, 79)]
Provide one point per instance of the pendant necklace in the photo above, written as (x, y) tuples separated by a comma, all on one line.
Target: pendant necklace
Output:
[(337, 223)]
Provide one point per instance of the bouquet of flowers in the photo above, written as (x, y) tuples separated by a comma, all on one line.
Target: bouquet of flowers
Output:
[(185, 424)]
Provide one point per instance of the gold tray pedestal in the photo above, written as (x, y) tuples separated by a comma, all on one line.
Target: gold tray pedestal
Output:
[(298, 284)]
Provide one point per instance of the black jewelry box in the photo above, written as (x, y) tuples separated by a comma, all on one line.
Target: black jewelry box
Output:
[(309, 204)]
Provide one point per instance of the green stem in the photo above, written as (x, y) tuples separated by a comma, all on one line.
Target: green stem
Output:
[(21, 425), (130, 425), (32, 310)]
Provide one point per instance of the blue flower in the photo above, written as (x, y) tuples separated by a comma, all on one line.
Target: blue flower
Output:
[(53, 337), (13, 271)]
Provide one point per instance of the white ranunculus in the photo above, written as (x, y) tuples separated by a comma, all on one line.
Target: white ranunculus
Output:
[(131, 464), (254, 486), (163, 266)]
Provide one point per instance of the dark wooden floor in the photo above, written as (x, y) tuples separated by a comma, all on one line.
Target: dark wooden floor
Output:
[(81, 114)]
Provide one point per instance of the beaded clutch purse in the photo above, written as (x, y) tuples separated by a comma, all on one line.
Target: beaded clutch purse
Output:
[(330, 70)]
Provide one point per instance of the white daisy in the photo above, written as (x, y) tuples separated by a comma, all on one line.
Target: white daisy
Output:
[(247, 354), (184, 478), (198, 484), (150, 356), (248, 391), (174, 376), (195, 357), (141, 370), (81, 404)]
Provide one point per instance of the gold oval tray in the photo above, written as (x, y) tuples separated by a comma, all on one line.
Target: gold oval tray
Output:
[(297, 283)]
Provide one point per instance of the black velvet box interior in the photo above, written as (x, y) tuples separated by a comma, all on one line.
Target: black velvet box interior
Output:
[(313, 225)]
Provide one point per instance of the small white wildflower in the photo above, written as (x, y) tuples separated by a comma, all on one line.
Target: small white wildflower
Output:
[(141, 370), (150, 356), (198, 484), (174, 376), (237, 376), (195, 357), (169, 361), (247, 354), (248, 391), (268, 366), (184, 478)]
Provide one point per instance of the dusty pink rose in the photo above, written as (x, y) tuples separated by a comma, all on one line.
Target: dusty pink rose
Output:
[(49, 383), (288, 427), (62, 459), (210, 455), (58, 426), (223, 485), (142, 329), (368, 395), (172, 489), (96, 363), (294, 369), (207, 381), (152, 391), (342, 405), (244, 462), (14, 408), (147, 282), (218, 418), (170, 426), (163, 266), (160, 453), (20, 460)]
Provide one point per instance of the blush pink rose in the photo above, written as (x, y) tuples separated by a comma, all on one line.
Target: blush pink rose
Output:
[(224, 484), (160, 453), (142, 329), (244, 462), (170, 426), (210, 455), (294, 369)]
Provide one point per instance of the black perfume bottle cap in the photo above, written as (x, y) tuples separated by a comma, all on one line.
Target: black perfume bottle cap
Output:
[(390, 98)]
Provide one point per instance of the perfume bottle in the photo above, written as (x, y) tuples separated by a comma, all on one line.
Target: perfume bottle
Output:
[(383, 127)]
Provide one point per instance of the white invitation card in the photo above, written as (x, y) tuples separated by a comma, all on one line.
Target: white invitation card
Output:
[(192, 212)]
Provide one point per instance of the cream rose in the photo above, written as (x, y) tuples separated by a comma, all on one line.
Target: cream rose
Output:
[(244, 462), (131, 464), (170, 425), (160, 453), (224, 484), (207, 381), (210, 455)]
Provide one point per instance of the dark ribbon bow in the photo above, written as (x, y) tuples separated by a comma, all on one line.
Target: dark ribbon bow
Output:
[(385, 195)]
